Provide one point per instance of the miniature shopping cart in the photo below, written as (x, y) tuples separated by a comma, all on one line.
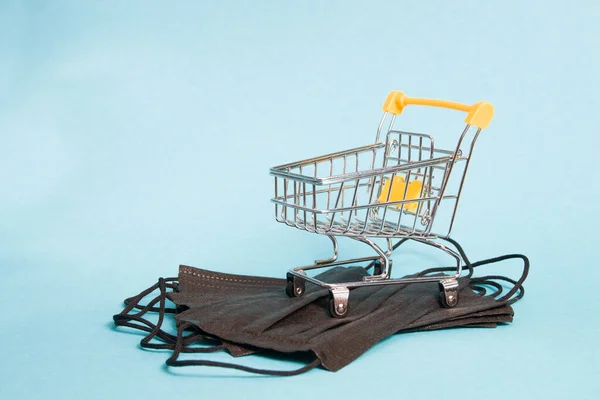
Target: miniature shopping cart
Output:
[(392, 189)]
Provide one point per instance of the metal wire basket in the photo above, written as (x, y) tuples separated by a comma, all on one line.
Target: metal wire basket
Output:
[(392, 189)]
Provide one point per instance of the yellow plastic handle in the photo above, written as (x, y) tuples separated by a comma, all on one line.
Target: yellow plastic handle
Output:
[(479, 114)]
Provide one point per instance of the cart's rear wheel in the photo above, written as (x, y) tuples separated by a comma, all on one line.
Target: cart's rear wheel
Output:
[(377, 268), (449, 293), (295, 286)]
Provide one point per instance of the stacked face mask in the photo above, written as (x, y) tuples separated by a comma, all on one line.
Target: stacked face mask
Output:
[(246, 314)]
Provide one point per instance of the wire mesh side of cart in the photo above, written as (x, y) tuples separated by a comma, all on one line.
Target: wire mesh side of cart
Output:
[(341, 193)]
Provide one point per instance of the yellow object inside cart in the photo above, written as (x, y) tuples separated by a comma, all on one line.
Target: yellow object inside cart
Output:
[(398, 190)]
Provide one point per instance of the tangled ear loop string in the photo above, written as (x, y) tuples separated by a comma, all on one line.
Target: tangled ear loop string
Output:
[(134, 302), (487, 280), (179, 343), (124, 317), (483, 291), (484, 280), (173, 361), (153, 330)]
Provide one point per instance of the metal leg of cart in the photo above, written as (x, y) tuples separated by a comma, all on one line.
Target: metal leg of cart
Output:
[(339, 293), (383, 265), (449, 284)]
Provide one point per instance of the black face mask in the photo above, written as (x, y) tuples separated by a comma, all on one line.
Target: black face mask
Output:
[(244, 314)]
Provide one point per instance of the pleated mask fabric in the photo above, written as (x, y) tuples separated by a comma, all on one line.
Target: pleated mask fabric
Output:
[(247, 314)]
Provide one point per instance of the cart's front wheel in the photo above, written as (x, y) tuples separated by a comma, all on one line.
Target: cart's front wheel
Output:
[(295, 286), (338, 302)]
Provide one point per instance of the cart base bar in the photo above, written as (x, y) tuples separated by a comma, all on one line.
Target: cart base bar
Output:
[(339, 293)]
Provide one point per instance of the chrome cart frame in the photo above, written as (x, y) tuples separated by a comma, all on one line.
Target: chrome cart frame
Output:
[(392, 189)]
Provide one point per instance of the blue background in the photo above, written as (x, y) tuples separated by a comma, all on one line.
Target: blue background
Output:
[(138, 135)]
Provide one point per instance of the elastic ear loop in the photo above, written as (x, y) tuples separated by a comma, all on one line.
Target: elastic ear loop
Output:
[(517, 288), (124, 318), (174, 362), (487, 280), (133, 302), (479, 286), (154, 330), (517, 285), (178, 343)]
